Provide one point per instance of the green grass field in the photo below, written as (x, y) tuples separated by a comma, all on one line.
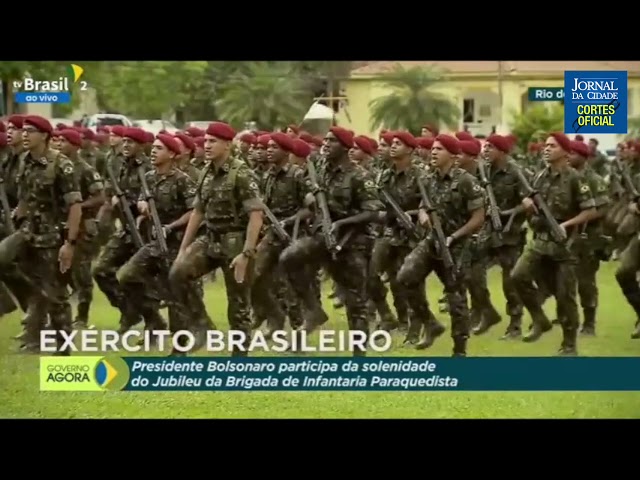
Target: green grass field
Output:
[(20, 396)]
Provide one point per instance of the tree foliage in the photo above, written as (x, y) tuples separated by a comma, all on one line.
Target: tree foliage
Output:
[(412, 101), (535, 123)]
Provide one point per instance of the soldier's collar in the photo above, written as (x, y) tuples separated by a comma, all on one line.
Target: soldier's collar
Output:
[(342, 165), (280, 168), (448, 174), (42, 160), (170, 173)]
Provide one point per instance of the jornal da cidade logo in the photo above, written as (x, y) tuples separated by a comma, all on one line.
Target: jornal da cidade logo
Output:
[(59, 90)]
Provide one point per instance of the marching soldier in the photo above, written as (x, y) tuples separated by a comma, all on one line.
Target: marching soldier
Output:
[(183, 161)]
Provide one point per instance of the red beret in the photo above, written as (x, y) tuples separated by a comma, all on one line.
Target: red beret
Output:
[(512, 138), (88, 134), (580, 148), (221, 130), (425, 142), (284, 141), (3, 127), (301, 149), (149, 137), (344, 136), (464, 136), (186, 140), (470, 147), (169, 142), (16, 120), (249, 138), (55, 133), (3, 139), (71, 136), (199, 141), (432, 128), (450, 143), (318, 140), (263, 139), (294, 128), (533, 147), (406, 138), (41, 123), (373, 143), (562, 140), (501, 143), (195, 132), (364, 144), (579, 138), (307, 137), (61, 126), (118, 130), (387, 136), (136, 134), (635, 145), (163, 131), (101, 137)]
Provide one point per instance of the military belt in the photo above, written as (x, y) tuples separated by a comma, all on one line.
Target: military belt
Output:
[(218, 236)]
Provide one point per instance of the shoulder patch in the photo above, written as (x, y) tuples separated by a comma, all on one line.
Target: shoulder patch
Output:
[(67, 169), (96, 176), (369, 184), (584, 188), (477, 188), (253, 185)]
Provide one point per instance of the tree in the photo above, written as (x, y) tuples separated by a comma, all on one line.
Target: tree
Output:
[(412, 102), (264, 92), (536, 123)]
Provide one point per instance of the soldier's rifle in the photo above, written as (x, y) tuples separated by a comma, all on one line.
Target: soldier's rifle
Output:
[(436, 224), (403, 218), (153, 210), (321, 199), (275, 224), (556, 231), (494, 211), (125, 207), (628, 182)]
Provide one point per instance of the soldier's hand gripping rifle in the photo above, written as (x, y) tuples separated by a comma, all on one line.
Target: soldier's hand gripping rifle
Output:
[(276, 225), (494, 211), (557, 232), (151, 201), (441, 240), (125, 207), (4, 204), (321, 199), (403, 218)]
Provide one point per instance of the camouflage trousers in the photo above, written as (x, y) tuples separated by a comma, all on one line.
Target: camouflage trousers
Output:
[(410, 300), (13, 282), (204, 255), (626, 274), (376, 291), (388, 259), (349, 268), (148, 265), (81, 279), (555, 273), (272, 297), (118, 250), (506, 257), (424, 260), (49, 287)]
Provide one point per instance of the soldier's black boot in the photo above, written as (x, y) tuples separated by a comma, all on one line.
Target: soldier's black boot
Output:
[(403, 318), (62, 349), (314, 319), (475, 317), (273, 325), (413, 332), (490, 317), (514, 330), (569, 347), (388, 321), (540, 326), (82, 316), (459, 346), (636, 333), (432, 330), (182, 342), (589, 324)]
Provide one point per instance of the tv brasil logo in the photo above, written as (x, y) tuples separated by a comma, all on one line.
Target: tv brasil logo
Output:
[(49, 91), (87, 374)]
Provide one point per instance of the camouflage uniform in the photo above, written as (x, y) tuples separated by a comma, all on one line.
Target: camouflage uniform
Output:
[(390, 251), (284, 194), (192, 172), (89, 156), (198, 162), (504, 248), (225, 196), (120, 248), (566, 194), (174, 193), (627, 271), (349, 191), (10, 165), (47, 187), (106, 225), (90, 183), (455, 195)]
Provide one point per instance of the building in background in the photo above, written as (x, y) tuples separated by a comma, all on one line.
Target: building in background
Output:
[(486, 92)]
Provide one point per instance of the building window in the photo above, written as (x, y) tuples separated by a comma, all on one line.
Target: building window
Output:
[(468, 110), (485, 111)]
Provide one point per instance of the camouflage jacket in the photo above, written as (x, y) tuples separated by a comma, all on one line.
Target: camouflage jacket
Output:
[(192, 172), (600, 192), (89, 155), (174, 194), (47, 186), (90, 183), (261, 171), (10, 166), (509, 194), (566, 194), (454, 195), (600, 164), (284, 190), (198, 162), (113, 161), (129, 182), (226, 195), (403, 187)]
